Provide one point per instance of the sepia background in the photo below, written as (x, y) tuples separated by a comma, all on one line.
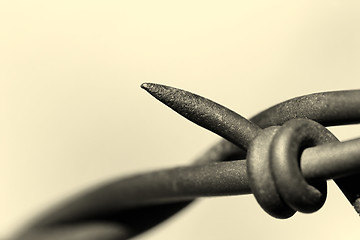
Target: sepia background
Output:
[(72, 114)]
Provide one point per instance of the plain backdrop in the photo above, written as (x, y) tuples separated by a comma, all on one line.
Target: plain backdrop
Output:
[(72, 114)]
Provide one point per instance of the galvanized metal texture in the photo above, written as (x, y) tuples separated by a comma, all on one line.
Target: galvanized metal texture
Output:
[(324, 108), (162, 93), (206, 113), (288, 143), (130, 206), (261, 179), (327, 108)]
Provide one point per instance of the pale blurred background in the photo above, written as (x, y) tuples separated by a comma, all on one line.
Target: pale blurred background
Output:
[(72, 114)]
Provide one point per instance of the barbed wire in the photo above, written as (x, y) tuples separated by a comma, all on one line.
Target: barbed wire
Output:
[(289, 155)]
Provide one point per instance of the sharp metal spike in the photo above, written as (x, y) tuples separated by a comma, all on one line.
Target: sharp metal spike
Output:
[(206, 113)]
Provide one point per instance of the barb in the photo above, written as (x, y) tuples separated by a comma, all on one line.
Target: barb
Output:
[(206, 113), (127, 207), (327, 107)]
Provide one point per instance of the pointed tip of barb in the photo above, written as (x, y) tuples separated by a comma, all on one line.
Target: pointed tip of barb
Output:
[(146, 86), (156, 90), (161, 92)]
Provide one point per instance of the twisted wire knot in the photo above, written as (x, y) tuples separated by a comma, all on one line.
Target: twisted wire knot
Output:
[(274, 171)]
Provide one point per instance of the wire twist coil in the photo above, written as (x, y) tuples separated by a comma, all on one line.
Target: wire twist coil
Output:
[(273, 168)]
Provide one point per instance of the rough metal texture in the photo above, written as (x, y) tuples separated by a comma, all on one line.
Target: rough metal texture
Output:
[(261, 179), (206, 113), (127, 207), (289, 141)]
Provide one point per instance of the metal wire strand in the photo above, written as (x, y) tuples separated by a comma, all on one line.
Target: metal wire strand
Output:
[(127, 207), (327, 108), (173, 185)]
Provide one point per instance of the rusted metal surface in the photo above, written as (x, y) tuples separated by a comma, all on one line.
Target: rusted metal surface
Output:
[(129, 206)]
